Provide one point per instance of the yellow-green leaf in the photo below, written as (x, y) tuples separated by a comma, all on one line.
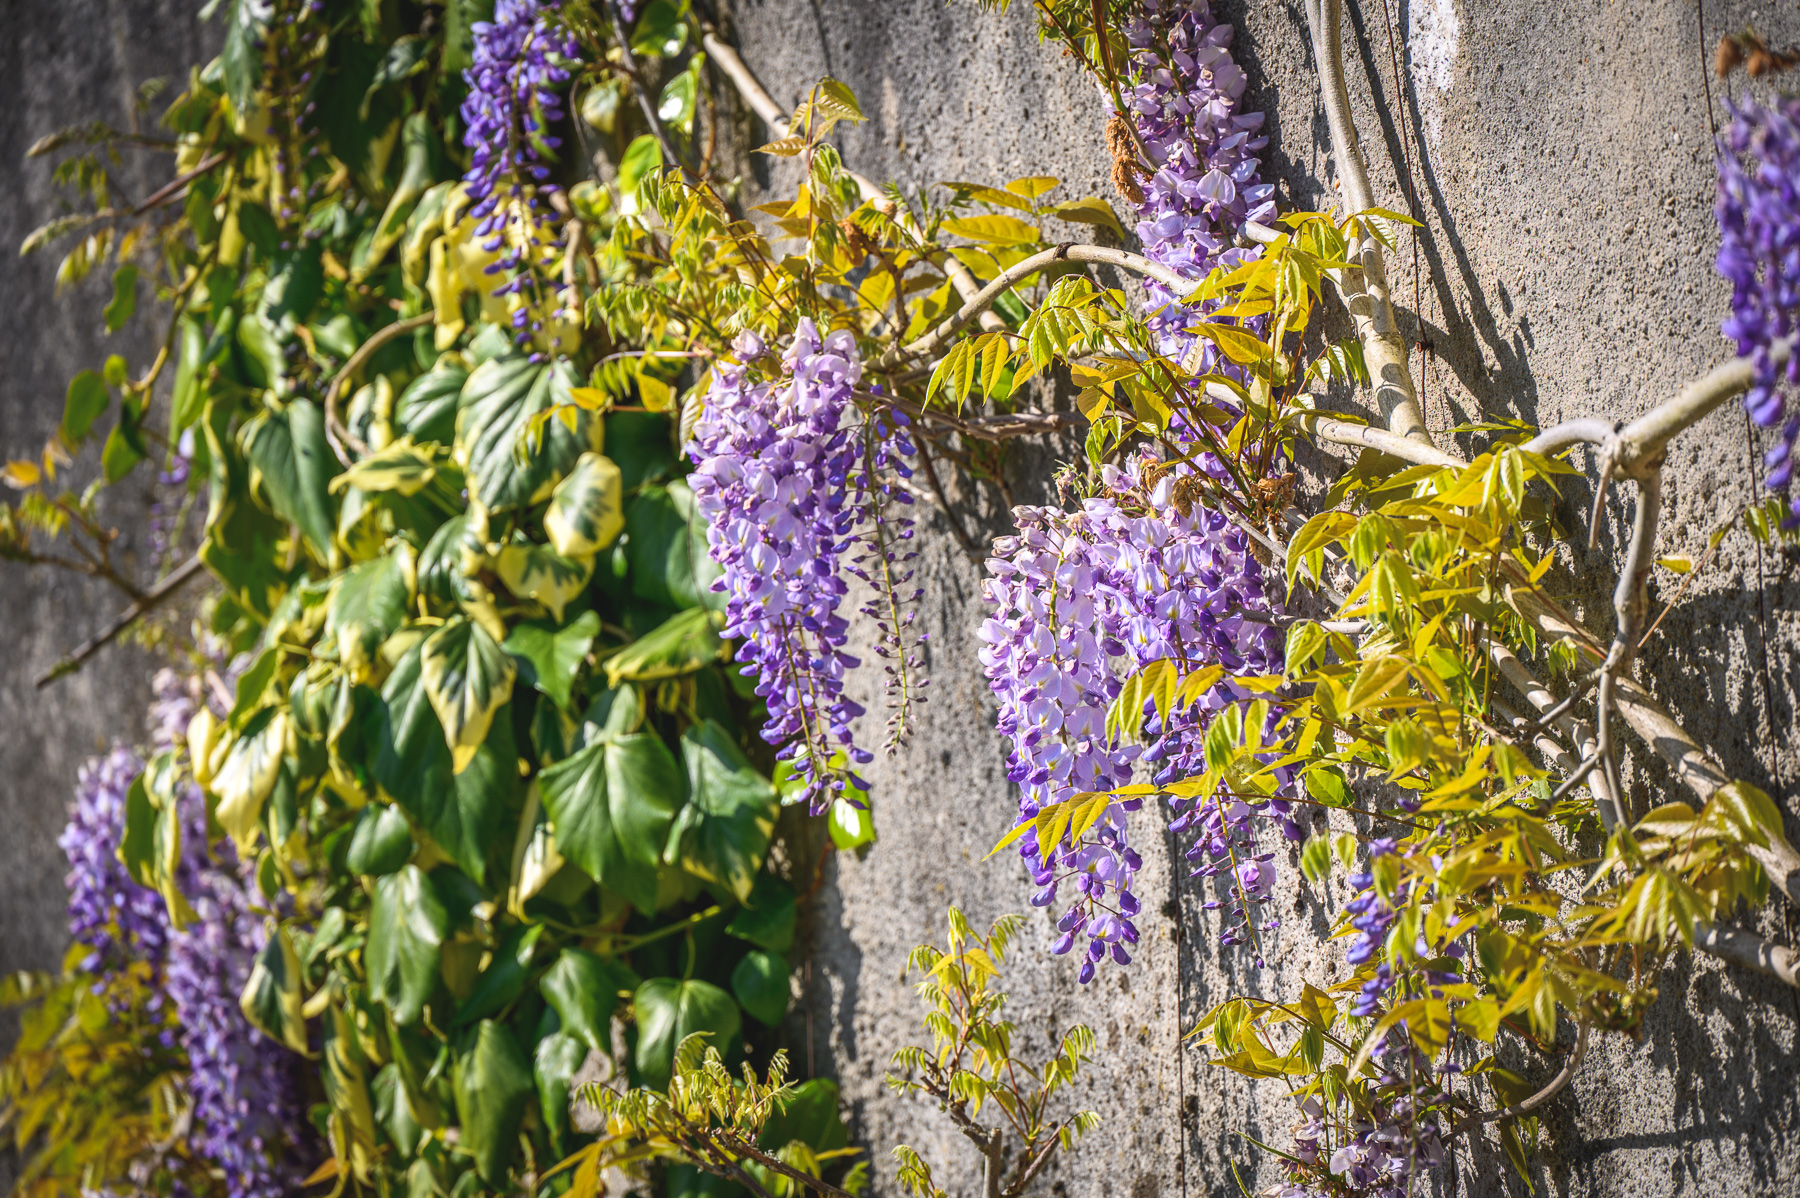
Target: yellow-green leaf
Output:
[(587, 509), (467, 677)]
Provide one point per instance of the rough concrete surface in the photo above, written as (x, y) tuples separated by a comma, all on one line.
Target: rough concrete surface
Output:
[(1561, 156), (62, 63), (1561, 159)]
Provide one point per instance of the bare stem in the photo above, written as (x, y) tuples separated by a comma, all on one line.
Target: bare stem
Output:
[(1384, 349), (1555, 1087), (142, 607)]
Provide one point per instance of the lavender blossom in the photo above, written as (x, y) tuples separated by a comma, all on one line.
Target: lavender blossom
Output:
[(778, 463), (1082, 600), (513, 100), (1759, 252), (1206, 182), (108, 911)]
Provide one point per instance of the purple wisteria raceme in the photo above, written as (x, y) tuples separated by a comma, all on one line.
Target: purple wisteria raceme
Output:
[(1759, 252), (108, 911), (512, 102), (1185, 107), (1082, 600), (778, 451), (249, 1114), (1379, 1150)]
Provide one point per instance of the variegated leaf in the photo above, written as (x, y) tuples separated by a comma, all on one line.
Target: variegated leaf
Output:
[(587, 510), (538, 573), (243, 783), (467, 677)]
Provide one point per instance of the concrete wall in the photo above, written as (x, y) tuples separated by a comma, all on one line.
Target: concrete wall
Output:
[(1561, 156), (75, 60)]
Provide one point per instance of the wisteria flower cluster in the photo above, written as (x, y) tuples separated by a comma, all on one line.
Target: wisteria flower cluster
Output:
[(1759, 252), (520, 63), (1206, 182), (777, 481), (1082, 600), (247, 1104), (1383, 1155), (108, 911)]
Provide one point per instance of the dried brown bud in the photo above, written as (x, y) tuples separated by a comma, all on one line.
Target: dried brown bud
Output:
[(1125, 168), (1760, 61), (1729, 55)]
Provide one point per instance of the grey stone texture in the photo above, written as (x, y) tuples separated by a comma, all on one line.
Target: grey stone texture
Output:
[(1561, 158), (1562, 162), (63, 63)]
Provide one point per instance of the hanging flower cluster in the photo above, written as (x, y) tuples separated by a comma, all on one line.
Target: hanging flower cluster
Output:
[(1382, 1152), (783, 479), (246, 1098), (513, 100), (1082, 600), (1184, 105), (1759, 252), (108, 912)]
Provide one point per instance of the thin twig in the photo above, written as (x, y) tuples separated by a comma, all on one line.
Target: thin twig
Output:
[(151, 600), (943, 503), (1555, 1087), (342, 440), (1067, 252)]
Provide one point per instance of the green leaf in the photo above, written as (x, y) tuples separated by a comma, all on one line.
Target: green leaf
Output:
[(124, 447), (86, 399), (1315, 858), (248, 775), (293, 464), (410, 759), (367, 604), (584, 989), (660, 32), (554, 1066), (426, 410), (553, 655), (723, 832), (767, 919), (676, 647), (851, 826), (641, 445), (505, 977), (394, 1110), (493, 1082), (271, 998), (382, 842), (124, 298), (407, 927), (760, 983), (497, 405), (611, 805), (246, 28), (668, 1011), (538, 574), (401, 467), (587, 509), (467, 677), (641, 158), (666, 555)]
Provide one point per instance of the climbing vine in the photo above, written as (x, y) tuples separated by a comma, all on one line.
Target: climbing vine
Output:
[(552, 495)]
